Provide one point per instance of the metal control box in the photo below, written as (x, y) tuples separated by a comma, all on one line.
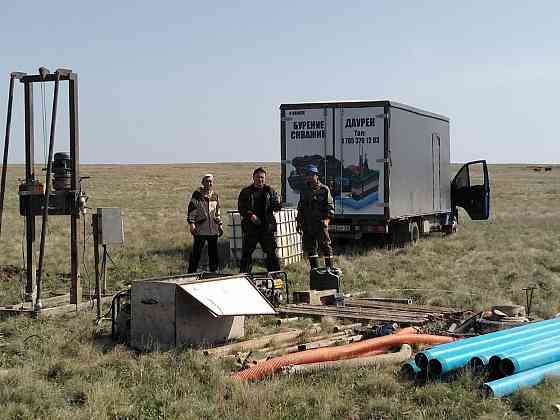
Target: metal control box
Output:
[(191, 310), (110, 225)]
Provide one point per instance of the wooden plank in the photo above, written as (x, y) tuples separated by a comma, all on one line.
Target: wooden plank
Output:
[(360, 310), (357, 316), (327, 342), (255, 343), (399, 306), (12, 312)]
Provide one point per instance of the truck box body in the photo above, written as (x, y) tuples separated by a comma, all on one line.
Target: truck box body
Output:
[(382, 160)]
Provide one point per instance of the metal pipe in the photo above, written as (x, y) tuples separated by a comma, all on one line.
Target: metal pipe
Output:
[(13, 76), (529, 378), (95, 228), (442, 364), (529, 359), (6, 148), (38, 306), (422, 358)]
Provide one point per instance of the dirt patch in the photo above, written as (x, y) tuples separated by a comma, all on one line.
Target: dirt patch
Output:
[(8, 272)]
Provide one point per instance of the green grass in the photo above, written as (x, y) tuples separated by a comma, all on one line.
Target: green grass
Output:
[(67, 368)]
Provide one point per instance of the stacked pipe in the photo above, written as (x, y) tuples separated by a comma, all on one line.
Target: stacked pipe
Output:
[(517, 357)]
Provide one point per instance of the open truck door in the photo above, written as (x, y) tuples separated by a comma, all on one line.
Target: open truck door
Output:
[(470, 190)]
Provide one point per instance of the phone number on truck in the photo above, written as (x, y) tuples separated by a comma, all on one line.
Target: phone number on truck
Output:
[(360, 140)]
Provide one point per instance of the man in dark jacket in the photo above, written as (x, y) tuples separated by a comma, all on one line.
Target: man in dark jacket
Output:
[(205, 225), (315, 209), (256, 204)]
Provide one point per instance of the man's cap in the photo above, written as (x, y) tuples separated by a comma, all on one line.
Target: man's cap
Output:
[(311, 169), (207, 176)]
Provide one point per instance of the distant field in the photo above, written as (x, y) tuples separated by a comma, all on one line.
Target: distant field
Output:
[(58, 369)]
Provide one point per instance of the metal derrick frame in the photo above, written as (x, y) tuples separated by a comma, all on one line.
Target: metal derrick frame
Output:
[(32, 288)]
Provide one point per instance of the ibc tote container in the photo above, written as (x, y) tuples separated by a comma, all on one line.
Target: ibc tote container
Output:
[(288, 241)]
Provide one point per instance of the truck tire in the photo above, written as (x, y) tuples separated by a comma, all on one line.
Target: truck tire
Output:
[(404, 234), (414, 232), (400, 234)]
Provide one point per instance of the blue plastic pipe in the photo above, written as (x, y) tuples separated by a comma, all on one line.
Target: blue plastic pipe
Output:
[(409, 370), (482, 359), (445, 363), (529, 359), (529, 378), (422, 358)]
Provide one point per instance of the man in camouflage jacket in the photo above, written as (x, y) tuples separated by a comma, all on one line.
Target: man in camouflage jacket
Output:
[(315, 209)]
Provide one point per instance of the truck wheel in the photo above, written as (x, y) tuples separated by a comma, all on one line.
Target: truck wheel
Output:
[(414, 232), (400, 234)]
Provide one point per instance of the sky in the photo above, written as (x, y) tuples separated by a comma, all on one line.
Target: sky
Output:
[(182, 81)]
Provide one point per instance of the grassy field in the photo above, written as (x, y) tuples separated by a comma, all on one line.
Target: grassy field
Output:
[(66, 368)]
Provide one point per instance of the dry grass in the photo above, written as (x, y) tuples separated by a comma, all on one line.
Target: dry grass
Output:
[(65, 368)]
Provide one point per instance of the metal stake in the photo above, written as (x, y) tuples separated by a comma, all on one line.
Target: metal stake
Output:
[(529, 298)]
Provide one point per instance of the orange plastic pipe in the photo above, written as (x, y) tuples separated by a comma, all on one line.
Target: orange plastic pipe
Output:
[(336, 353), (407, 330)]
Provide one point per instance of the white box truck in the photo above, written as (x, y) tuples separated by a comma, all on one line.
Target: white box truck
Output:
[(387, 165)]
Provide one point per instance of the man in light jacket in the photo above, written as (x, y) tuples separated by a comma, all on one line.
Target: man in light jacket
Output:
[(205, 224)]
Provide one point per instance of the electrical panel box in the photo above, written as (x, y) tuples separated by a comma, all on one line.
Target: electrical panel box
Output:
[(190, 310), (110, 225)]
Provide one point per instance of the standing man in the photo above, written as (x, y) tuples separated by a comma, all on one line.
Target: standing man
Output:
[(205, 225), (315, 209), (257, 204)]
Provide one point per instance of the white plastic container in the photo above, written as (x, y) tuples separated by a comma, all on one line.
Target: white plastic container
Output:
[(288, 241)]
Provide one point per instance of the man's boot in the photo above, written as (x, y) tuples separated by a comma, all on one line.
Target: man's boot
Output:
[(245, 265), (328, 262), (314, 262)]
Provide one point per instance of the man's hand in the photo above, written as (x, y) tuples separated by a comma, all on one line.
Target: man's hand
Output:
[(255, 219), (192, 228)]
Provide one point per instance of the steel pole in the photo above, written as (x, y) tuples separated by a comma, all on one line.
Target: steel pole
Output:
[(47, 193), (96, 258), (6, 147)]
